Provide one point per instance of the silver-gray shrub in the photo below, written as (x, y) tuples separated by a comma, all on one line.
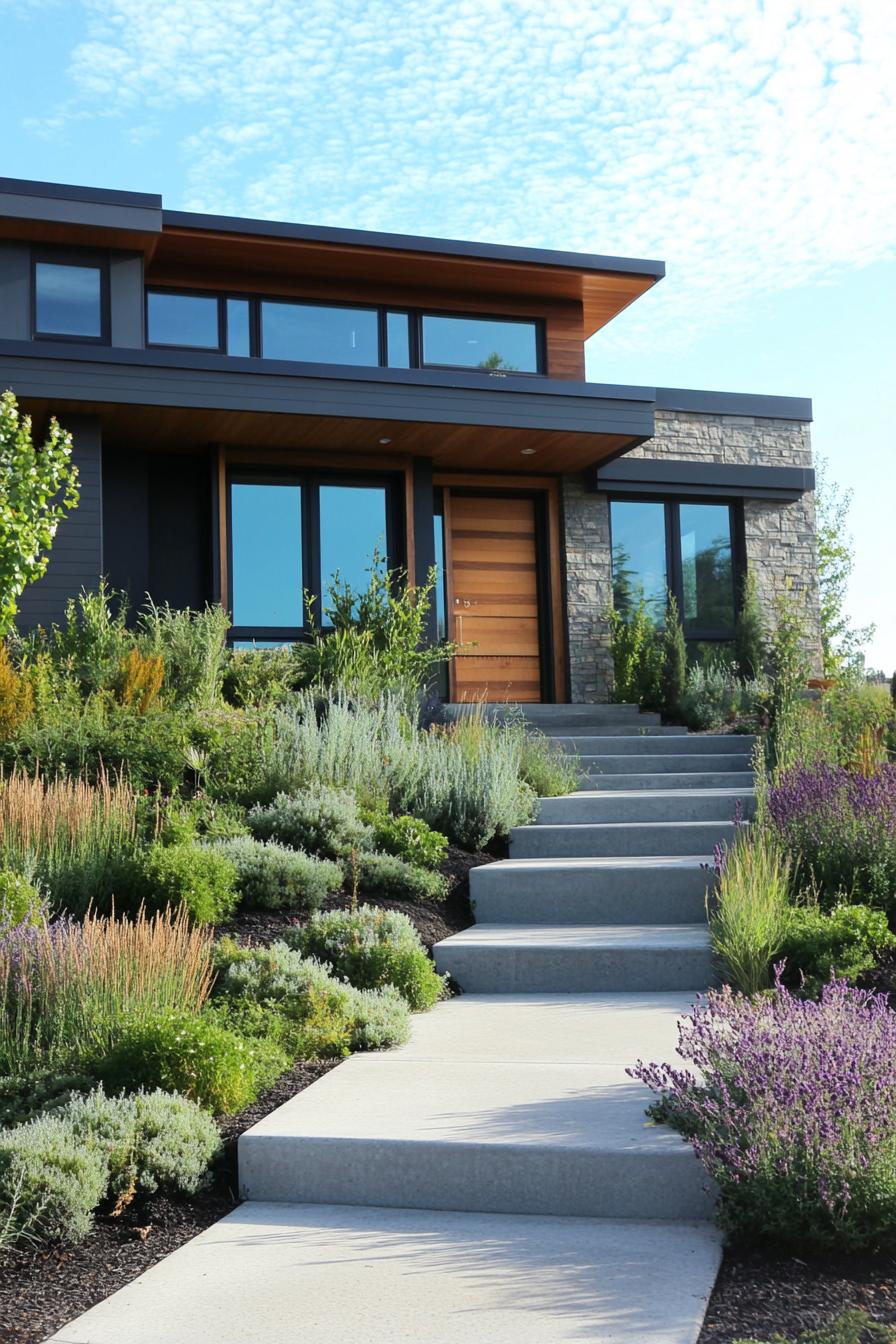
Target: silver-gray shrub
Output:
[(464, 780), (271, 876), (50, 1182), (319, 818)]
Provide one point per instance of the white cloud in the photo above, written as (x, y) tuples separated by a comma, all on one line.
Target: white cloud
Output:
[(751, 145)]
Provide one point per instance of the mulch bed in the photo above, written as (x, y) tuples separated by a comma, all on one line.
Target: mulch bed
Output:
[(433, 920), (43, 1288), (759, 1295)]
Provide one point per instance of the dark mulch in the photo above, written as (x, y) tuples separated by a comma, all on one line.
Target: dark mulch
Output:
[(759, 1295), (433, 920), (43, 1288)]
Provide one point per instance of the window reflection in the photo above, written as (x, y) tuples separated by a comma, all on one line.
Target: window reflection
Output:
[(68, 300), (182, 319), (639, 557), (707, 570), (319, 335), (266, 532), (352, 529), (480, 343)]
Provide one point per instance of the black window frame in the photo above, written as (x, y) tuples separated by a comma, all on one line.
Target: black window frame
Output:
[(310, 480), (674, 576), (220, 348), (538, 323), (85, 259)]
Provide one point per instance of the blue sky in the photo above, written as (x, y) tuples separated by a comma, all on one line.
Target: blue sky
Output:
[(751, 146)]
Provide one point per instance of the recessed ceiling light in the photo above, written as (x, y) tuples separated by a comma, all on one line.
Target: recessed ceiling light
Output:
[(527, 452), (384, 441)]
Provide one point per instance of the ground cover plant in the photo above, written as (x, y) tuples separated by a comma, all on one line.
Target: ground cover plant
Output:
[(791, 1107), (371, 947), (848, 1327)]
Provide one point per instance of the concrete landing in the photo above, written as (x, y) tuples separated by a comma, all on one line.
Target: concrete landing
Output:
[(294, 1274)]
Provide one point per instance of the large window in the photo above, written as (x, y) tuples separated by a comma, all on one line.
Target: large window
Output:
[(319, 335), (689, 549), (292, 537), (337, 333), (480, 343), (68, 300)]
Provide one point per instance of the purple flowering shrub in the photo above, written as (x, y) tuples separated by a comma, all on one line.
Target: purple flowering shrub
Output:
[(841, 828), (792, 1111)]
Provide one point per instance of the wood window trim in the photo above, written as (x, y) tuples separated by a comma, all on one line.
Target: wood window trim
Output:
[(549, 488)]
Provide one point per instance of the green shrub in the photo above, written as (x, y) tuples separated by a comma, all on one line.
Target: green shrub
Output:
[(152, 1140), (636, 646), (20, 900), (194, 1055), (321, 820), (408, 838), (177, 821), (711, 698), (390, 878), (272, 876), (50, 1182), (200, 878), (848, 1327), (749, 914), (371, 948), (675, 661), (227, 753), (304, 991), (749, 633), (844, 943), (192, 647), (259, 677), (378, 641), (546, 769), (788, 671)]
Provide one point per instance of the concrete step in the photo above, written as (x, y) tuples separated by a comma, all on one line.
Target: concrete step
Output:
[(555, 958), (619, 839), (661, 742), (671, 762), (273, 1273), (622, 729), (667, 779), (491, 1137), (635, 805), (592, 891), (543, 713)]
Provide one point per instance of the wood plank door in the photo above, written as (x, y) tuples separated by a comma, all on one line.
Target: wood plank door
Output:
[(493, 591)]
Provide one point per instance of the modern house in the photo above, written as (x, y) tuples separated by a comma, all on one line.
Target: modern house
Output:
[(257, 405)]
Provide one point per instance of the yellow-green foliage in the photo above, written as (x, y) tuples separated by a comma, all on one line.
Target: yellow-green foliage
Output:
[(16, 696), (140, 680)]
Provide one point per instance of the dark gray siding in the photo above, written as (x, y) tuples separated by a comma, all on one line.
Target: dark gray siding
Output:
[(76, 560), (157, 527), (126, 298), (15, 299)]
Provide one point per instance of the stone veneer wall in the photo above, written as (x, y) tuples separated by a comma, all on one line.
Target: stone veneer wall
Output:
[(780, 537)]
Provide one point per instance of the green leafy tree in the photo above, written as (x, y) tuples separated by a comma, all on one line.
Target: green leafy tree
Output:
[(38, 489), (841, 642), (675, 660)]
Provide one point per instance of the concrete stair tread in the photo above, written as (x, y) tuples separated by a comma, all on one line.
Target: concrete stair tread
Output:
[(662, 793), (603, 862), (271, 1273), (618, 826), (672, 937), (551, 1028)]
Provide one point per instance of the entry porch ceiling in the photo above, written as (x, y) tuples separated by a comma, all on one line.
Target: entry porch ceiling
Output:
[(451, 447)]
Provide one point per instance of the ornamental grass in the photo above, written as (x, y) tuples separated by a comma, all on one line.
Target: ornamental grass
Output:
[(66, 988), (791, 1107)]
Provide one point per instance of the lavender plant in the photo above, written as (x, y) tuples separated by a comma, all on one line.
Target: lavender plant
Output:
[(841, 828), (792, 1110)]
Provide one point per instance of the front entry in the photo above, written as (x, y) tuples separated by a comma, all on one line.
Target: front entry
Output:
[(493, 589)]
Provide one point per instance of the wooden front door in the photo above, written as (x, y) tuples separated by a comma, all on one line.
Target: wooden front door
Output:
[(493, 596)]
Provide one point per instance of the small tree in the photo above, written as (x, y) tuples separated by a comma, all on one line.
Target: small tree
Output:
[(675, 660), (788, 668), (38, 489), (750, 638), (841, 642)]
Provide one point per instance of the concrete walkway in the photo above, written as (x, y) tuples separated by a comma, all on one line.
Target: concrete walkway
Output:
[(496, 1179)]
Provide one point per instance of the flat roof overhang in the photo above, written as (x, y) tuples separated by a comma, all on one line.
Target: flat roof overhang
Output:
[(165, 399), (178, 246)]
